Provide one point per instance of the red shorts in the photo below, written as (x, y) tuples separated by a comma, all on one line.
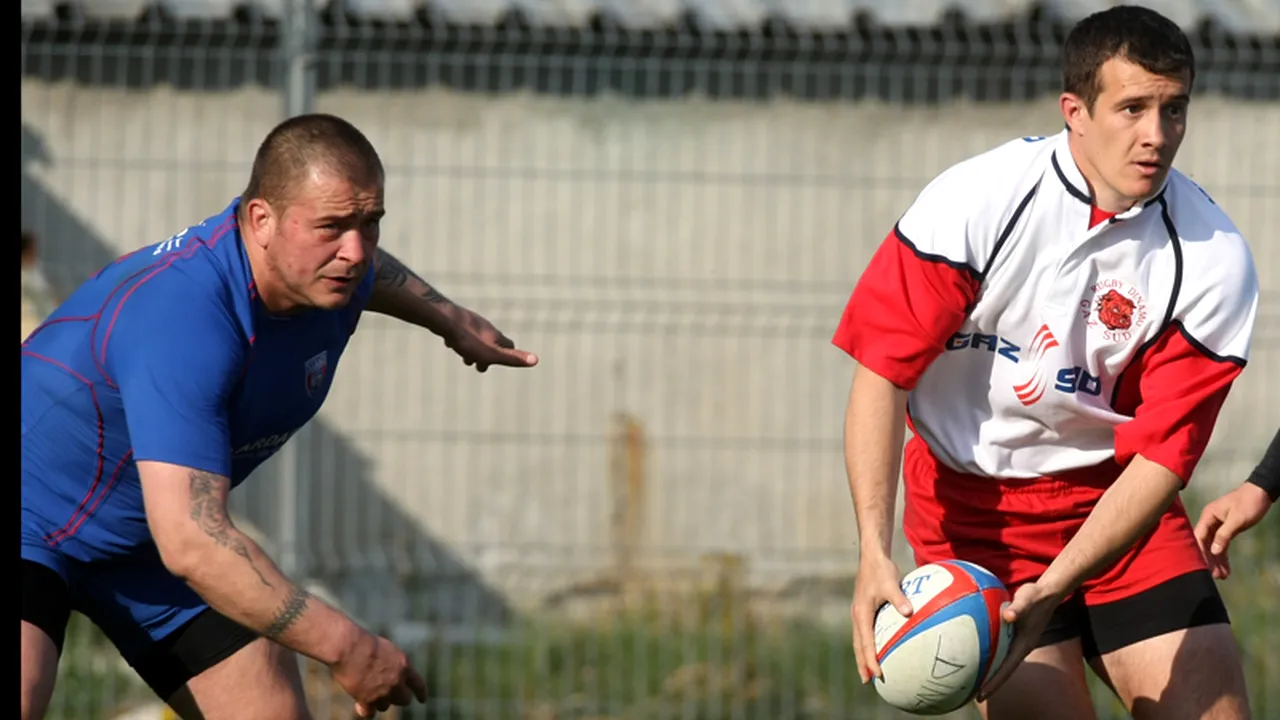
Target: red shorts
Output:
[(1015, 528)]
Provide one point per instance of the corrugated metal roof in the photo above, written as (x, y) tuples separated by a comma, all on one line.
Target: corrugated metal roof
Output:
[(1236, 16)]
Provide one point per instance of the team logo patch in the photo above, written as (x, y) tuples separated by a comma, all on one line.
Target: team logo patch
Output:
[(316, 368), (1116, 308)]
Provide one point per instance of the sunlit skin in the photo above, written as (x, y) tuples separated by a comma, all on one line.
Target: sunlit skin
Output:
[(313, 251), (1126, 145)]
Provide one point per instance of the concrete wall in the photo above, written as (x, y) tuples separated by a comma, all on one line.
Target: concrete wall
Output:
[(682, 264)]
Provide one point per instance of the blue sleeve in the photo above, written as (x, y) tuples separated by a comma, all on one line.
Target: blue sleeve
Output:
[(172, 345)]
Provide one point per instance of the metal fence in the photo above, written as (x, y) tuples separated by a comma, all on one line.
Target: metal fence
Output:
[(653, 522)]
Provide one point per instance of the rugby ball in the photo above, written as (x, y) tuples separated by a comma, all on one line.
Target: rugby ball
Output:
[(935, 661)]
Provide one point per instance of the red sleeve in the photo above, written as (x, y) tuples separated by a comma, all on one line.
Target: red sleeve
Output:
[(903, 309), (1173, 390)]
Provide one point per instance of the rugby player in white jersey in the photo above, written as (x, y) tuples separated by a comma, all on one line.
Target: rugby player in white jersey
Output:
[(1058, 320)]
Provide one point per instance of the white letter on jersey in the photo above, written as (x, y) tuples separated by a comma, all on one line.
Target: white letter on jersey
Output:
[(172, 243)]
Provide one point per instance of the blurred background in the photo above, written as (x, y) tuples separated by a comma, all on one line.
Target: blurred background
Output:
[(669, 201)]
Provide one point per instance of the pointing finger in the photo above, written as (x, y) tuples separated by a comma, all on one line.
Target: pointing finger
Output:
[(416, 684), (512, 358)]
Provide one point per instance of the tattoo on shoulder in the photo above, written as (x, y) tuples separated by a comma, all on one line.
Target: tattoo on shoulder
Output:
[(209, 511), (290, 610)]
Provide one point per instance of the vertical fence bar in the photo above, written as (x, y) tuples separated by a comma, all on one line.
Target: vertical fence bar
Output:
[(298, 47), (299, 93)]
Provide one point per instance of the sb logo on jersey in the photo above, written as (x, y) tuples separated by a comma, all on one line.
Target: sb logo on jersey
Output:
[(1077, 379)]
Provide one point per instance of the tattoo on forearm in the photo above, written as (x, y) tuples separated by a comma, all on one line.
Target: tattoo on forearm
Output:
[(290, 610), (432, 295), (209, 511), (392, 274)]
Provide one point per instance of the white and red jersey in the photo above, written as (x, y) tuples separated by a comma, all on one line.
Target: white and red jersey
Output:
[(1037, 335)]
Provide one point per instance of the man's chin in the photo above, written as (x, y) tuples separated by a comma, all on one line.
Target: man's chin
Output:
[(331, 301), (1144, 187)]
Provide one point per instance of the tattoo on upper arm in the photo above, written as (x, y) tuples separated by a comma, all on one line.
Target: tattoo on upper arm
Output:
[(290, 610), (209, 510), (392, 274)]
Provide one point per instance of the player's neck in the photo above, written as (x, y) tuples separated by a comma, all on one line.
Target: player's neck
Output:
[(1100, 193)]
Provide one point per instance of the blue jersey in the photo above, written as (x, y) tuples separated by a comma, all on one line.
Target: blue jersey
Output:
[(167, 355)]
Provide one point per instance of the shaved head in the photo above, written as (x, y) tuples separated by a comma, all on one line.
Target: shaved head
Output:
[(301, 146), (309, 218)]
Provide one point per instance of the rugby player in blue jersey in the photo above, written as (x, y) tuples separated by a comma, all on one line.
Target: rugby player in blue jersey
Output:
[(160, 385)]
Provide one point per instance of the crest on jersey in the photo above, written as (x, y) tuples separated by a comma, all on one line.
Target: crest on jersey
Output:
[(316, 368), (1115, 308)]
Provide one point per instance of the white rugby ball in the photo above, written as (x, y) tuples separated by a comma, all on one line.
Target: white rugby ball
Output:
[(935, 661)]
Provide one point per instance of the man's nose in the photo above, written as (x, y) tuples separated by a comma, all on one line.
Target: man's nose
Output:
[(352, 250), (1154, 132)]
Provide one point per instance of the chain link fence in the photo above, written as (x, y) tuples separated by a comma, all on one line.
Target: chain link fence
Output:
[(654, 521)]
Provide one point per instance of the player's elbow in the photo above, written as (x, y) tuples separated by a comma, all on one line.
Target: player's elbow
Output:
[(871, 395), (184, 545), (183, 552), (187, 515)]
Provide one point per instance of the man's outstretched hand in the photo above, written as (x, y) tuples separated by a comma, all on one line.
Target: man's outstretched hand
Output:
[(480, 344)]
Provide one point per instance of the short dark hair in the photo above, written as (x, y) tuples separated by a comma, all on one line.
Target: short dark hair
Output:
[(303, 143), (1137, 34)]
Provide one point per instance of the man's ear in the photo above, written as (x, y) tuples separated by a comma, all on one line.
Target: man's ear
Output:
[(260, 220), (1074, 112)]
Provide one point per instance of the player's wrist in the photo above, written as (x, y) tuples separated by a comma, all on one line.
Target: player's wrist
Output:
[(457, 321), (874, 550), (351, 644), (1056, 583), (1256, 493)]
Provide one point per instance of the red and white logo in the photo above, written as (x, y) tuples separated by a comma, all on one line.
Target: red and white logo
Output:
[(316, 369), (1116, 308), (1030, 392)]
